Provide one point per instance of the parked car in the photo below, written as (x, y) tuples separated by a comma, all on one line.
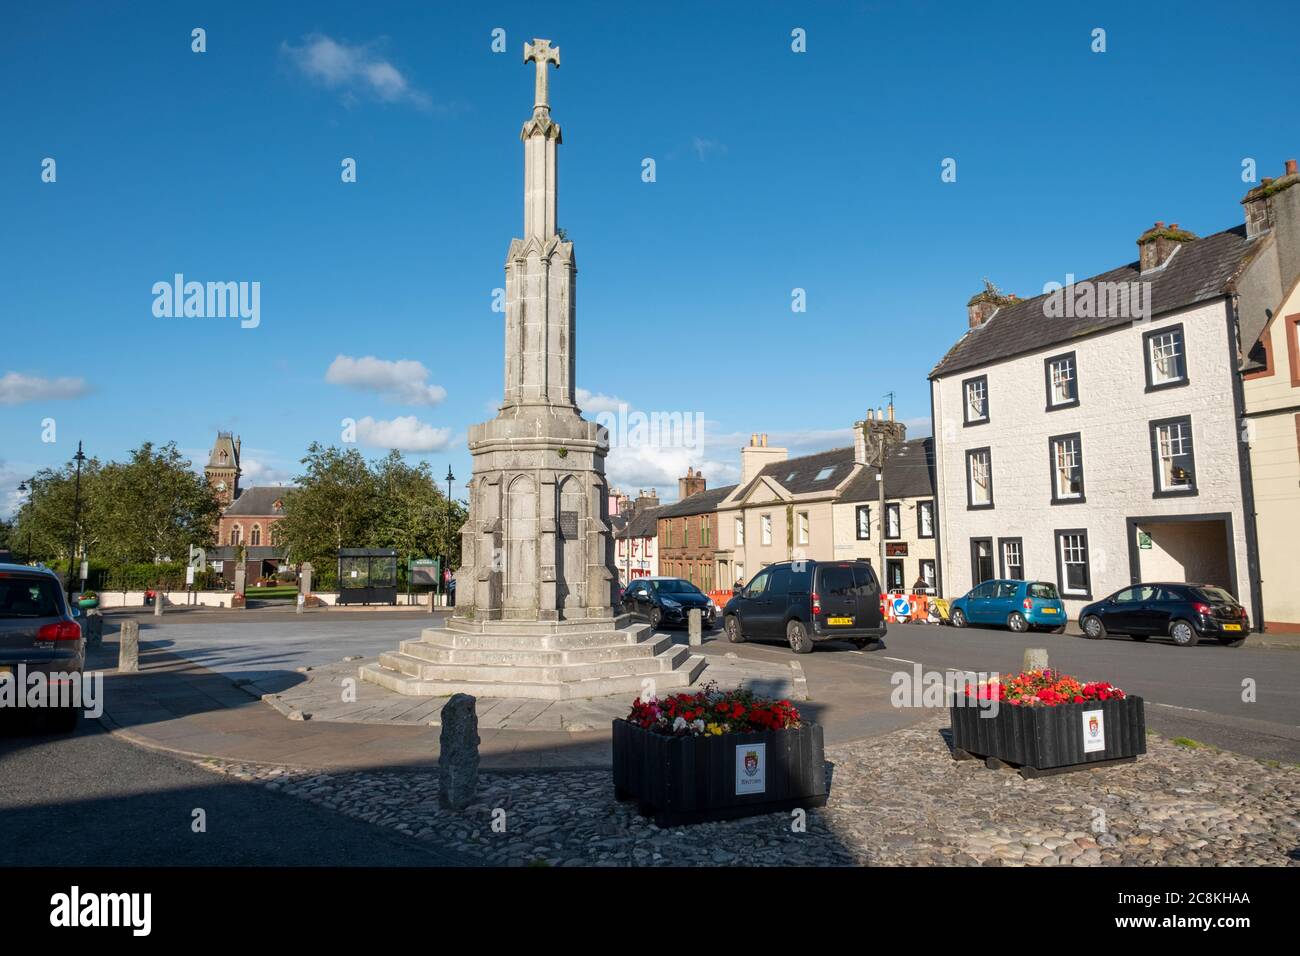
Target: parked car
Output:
[(806, 602), (1019, 605), (667, 601), (39, 630), (1182, 612)]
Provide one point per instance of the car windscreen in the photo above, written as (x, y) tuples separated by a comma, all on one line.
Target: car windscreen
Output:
[(1047, 592), (29, 595), (675, 586), (1214, 595)]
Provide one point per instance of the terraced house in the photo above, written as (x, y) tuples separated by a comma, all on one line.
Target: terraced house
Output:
[(1093, 435), (688, 532), (826, 507)]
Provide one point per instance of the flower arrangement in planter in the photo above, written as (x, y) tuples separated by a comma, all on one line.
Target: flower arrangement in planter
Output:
[(1046, 721), (237, 601), (88, 599), (717, 755)]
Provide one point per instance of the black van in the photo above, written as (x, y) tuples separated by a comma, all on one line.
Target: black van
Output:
[(804, 602)]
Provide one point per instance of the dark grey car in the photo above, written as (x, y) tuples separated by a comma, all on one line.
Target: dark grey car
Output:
[(39, 633)]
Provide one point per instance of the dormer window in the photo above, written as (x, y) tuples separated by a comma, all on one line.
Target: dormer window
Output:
[(975, 400)]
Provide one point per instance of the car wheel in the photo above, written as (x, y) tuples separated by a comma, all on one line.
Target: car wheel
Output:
[(656, 618), (797, 634), (958, 618), (732, 627), (1016, 621), (1093, 629), (1183, 634)]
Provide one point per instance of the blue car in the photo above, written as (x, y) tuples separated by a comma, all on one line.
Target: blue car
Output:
[(1020, 605)]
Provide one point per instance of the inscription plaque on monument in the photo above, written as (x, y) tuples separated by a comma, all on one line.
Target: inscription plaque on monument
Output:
[(569, 524)]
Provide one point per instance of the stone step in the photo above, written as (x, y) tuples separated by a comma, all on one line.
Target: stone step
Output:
[(402, 683), (464, 626), (439, 653), (446, 637), (526, 673)]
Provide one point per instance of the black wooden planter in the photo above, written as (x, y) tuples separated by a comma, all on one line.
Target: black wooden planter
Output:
[(1051, 739), (680, 780)]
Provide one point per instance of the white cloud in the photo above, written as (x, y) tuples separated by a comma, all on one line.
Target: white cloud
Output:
[(593, 403), (352, 69), (704, 148), (253, 471), (16, 388), (405, 382), (405, 433)]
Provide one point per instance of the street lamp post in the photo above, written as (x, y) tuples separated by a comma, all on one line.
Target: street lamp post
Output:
[(29, 487), (76, 521), (447, 563)]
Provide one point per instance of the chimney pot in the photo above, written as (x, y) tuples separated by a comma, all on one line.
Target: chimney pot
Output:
[(891, 411), (1290, 167)]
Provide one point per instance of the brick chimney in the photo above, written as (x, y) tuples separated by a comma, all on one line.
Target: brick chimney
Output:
[(983, 305), (1274, 205), (692, 484), (758, 456), (866, 434), (1158, 243), (645, 499)]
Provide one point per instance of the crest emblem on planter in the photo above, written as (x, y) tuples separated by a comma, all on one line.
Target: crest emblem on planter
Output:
[(751, 763), (1093, 727), (751, 768)]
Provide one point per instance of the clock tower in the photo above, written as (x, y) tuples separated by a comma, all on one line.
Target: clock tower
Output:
[(222, 470)]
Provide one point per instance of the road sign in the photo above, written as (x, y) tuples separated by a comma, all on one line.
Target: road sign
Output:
[(1144, 541), (198, 558), (189, 576)]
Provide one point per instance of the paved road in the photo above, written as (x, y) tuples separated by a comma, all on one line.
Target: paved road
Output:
[(268, 646), (92, 800), (1193, 692)]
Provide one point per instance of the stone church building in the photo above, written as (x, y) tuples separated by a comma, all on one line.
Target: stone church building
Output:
[(248, 515)]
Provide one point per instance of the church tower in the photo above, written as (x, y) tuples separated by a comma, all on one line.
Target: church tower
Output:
[(222, 470)]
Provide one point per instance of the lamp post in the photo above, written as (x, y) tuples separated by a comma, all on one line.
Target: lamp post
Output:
[(76, 520), (29, 487), (447, 564)]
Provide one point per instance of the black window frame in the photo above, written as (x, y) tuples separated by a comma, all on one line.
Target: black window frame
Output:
[(897, 508), (970, 496), (967, 421), (1051, 472), (1067, 595), (1047, 380), (974, 561), (1153, 429), (901, 565), (1002, 559), (934, 571), (921, 504), (1152, 385), (857, 522)]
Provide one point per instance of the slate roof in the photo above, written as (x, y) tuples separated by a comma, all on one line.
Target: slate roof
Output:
[(909, 473), (643, 524), (1200, 270), (259, 500), (697, 504)]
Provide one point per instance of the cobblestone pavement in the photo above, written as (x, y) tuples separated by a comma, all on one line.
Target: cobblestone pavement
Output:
[(895, 799), (321, 697)]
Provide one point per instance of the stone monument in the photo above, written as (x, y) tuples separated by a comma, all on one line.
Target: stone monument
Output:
[(536, 589)]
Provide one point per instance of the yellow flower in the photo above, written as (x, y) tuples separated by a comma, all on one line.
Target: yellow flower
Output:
[(714, 729)]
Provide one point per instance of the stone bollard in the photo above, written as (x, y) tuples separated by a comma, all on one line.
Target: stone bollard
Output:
[(92, 627), (158, 600), (695, 626), (128, 647), (458, 756), (1035, 659)]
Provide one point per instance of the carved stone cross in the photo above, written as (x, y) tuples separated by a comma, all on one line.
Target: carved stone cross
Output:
[(541, 52)]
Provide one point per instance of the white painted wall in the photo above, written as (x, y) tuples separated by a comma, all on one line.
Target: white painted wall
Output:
[(1112, 417)]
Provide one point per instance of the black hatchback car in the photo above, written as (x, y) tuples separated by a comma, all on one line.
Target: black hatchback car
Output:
[(38, 632), (1182, 612), (665, 601), (805, 602)]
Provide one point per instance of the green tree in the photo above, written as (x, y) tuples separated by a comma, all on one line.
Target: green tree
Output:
[(46, 517), (152, 507), (332, 507)]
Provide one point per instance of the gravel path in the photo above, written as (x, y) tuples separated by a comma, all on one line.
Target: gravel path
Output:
[(897, 799)]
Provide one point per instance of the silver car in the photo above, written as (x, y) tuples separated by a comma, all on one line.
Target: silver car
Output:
[(39, 633)]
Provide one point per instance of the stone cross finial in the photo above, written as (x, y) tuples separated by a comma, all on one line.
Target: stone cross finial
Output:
[(541, 52)]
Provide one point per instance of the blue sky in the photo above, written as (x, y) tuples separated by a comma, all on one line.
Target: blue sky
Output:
[(775, 170)]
